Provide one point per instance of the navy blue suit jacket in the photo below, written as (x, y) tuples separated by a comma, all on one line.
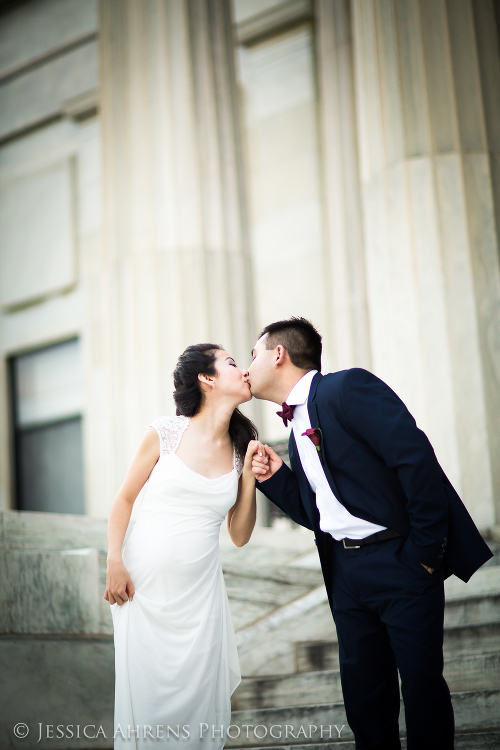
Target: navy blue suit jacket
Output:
[(383, 469)]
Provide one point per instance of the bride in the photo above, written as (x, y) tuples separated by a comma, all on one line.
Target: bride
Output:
[(176, 663)]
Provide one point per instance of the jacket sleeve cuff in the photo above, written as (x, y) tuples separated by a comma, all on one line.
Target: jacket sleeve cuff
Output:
[(274, 483), (432, 556)]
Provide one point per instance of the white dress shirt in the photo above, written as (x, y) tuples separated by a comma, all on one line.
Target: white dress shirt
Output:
[(334, 517)]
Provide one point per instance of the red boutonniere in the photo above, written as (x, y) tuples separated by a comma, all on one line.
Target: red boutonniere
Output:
[(316, 436)]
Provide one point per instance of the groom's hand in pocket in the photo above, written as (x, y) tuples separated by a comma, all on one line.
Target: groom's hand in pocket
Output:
[(265, 462)]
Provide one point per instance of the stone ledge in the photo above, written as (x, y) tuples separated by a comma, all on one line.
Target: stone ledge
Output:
[(50, 592)]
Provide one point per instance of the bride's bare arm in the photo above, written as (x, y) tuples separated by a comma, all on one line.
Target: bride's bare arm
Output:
[(242, 516), (119, 587)]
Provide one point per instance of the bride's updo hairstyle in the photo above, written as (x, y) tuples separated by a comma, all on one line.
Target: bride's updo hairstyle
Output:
[(199, 359)]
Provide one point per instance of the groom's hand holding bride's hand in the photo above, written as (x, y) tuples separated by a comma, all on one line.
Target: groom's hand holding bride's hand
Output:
[(253, 447), (265, 462)]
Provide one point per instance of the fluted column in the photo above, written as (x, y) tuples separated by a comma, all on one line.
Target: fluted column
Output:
[(347, 320), (427, 82), (174, 263)]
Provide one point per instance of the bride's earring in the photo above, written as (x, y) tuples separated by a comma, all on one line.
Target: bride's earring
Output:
[(213, 386)]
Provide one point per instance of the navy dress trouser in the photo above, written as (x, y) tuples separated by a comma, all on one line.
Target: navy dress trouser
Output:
[(389, 611)]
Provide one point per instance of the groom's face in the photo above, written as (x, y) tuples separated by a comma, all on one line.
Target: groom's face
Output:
[(261, 372)]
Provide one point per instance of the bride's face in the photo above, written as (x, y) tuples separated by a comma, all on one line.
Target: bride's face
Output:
[(231, 379)]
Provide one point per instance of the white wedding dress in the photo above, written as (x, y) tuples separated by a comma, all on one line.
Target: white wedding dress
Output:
[(176, 662)]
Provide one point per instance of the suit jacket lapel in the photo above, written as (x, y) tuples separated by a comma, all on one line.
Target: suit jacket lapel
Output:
[(305, 488), (314, 419)]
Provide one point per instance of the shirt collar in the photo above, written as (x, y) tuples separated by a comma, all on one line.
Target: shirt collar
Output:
[(300, 391)]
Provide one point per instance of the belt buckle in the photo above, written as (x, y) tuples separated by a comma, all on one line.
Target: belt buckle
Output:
[(353, 546)]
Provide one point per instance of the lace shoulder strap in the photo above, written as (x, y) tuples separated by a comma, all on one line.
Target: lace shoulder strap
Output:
[(170, 431)]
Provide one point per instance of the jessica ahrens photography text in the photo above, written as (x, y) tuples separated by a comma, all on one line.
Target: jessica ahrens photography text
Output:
[(165, 731)]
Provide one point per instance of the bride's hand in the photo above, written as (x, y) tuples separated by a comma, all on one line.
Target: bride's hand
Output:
[(265, 463), (119, 587), (253, 447)]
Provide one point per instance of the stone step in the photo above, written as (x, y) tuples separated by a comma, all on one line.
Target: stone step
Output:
[(257, 592), (495, 548), (477, 601), (484, 638), (472, 610), (486, 580), (464, 672), (282, 574), (38, 530), (475, 711), (474, 672), (316, 656), (281, 691), (266, 646), (481, 638), (463, 741), (258, 577)]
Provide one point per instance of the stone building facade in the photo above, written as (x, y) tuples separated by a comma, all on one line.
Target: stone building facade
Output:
[(176, 171)]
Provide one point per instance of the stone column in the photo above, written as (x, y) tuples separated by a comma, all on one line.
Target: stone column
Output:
[(427, 82), (174, 266), (348, 331)]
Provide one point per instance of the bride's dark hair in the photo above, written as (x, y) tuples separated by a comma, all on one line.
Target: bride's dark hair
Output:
[(189, 398)]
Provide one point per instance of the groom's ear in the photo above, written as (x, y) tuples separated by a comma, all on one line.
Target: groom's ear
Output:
[(280, 355)]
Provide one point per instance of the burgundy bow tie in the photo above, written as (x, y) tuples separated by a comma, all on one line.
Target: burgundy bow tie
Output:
[(287, 413)]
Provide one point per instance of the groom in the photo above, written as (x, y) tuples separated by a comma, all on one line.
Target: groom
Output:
[(389, 529)]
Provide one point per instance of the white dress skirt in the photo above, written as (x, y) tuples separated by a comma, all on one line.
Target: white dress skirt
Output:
[(176, 662)]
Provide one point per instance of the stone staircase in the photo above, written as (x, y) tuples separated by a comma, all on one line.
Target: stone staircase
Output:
[(56, 632), (57, 654), (293, 689)]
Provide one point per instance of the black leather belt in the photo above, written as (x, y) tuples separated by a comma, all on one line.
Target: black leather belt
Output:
[(379, 536)]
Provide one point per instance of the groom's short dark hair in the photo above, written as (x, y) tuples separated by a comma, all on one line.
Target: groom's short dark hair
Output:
[(301, 340)]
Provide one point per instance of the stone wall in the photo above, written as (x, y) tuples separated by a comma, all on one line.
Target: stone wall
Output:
[(56, 633), (151, 236)]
